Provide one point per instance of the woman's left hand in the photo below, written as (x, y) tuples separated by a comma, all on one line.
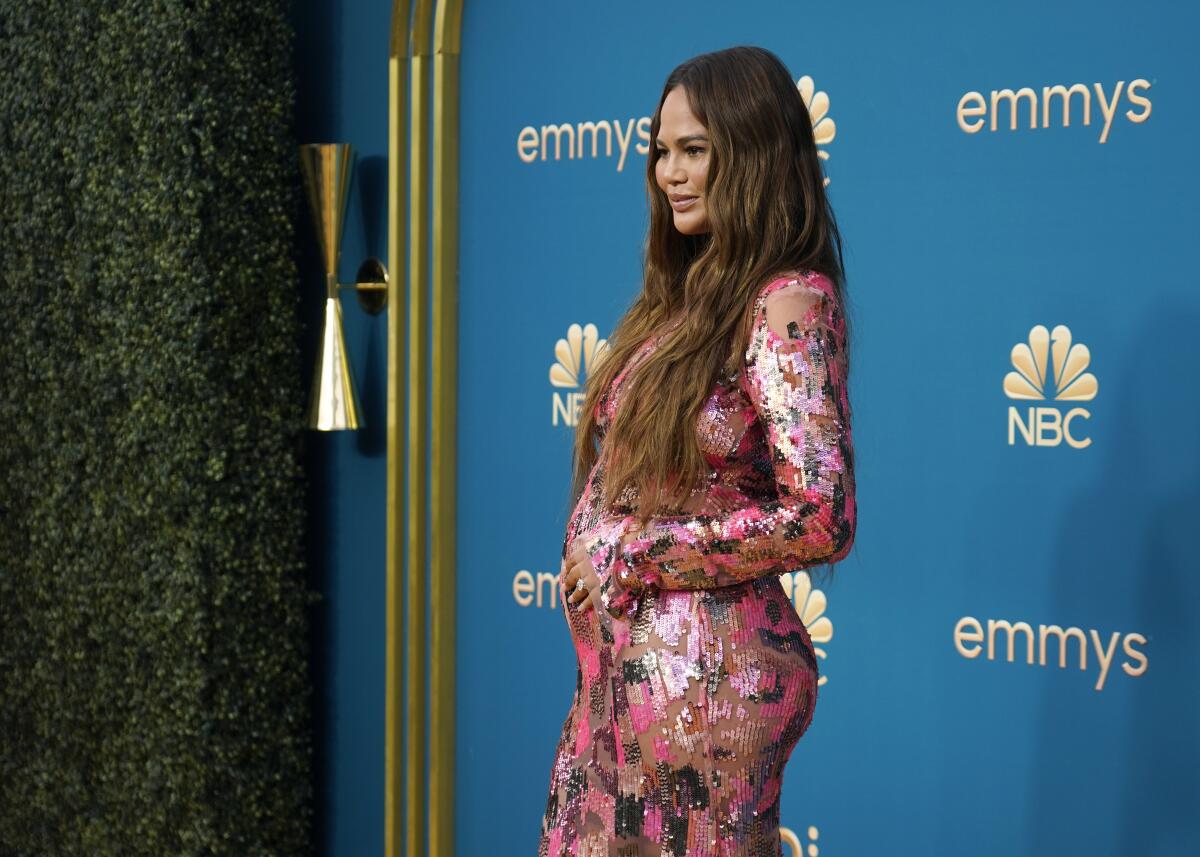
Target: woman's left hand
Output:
[(579, 567)]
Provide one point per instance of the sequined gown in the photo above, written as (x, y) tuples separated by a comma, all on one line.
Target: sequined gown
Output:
[(697, 680)]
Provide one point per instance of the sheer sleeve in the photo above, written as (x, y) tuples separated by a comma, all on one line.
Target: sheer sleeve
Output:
[(603, 545), (795, 376)]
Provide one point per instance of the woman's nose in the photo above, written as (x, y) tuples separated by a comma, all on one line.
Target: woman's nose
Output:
[(672, 170)]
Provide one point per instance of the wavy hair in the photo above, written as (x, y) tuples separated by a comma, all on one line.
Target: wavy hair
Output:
[(768, 214)]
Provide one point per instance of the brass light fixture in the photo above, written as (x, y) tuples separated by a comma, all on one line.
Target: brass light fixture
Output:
[(326, 168)]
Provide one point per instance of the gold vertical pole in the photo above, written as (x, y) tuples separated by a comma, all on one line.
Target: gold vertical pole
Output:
[(397, 254), (408, 241), (447, 47), (418, 395)]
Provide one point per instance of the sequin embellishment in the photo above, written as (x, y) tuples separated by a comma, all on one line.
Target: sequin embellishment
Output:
[(698, 679)]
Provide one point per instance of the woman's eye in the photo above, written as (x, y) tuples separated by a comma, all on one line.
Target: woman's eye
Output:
[(696, 149)]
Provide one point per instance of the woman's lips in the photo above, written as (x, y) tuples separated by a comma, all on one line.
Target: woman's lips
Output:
[(683, 204)]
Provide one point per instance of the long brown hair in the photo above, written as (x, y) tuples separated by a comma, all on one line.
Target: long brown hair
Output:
[(768, 214)]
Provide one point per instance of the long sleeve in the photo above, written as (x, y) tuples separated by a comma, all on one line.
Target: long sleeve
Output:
[(603, 545), (795, 377)]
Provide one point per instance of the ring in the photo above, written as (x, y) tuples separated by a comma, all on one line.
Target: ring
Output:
[(579, 584)]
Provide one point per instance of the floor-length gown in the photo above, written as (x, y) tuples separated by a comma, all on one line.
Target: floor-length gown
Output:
[(697, 680)]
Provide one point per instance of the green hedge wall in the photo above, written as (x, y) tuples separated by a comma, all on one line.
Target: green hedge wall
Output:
[(154, 688)]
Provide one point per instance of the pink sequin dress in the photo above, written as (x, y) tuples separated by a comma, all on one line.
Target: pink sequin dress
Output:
[(697, 680)]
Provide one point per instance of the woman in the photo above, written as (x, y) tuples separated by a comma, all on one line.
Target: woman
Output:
[(725, 460)]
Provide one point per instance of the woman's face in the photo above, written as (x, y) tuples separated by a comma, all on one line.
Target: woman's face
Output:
[(682, 166)]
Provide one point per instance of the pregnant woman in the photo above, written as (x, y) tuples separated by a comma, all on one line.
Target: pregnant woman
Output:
[(725, 459)]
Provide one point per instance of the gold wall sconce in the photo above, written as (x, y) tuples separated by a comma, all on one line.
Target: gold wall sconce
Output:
[(334, 402)]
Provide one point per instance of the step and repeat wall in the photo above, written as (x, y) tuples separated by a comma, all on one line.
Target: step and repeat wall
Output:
[(1009, 652)]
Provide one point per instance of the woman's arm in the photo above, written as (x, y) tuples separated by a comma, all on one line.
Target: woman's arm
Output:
[(796, 369), (603, 545)]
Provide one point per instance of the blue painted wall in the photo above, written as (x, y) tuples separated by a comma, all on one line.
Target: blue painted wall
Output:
[(958, 244)]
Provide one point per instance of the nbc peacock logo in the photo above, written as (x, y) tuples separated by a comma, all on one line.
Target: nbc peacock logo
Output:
[(1049, 358), (797, 847), (574, 358), (824, 128), (810, 606)]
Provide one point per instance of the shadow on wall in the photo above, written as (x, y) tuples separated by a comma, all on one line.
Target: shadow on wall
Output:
[(371, 183), (1134, 533)]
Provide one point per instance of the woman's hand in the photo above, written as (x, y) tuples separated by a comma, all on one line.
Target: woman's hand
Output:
[(579, 567)]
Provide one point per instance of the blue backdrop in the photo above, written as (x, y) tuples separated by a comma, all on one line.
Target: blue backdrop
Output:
[(990, 524), (960, 240)]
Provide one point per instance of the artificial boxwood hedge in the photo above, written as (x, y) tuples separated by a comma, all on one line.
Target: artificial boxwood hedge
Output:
[(154, 691)]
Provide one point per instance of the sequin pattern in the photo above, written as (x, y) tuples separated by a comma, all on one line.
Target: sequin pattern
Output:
[(698, 679)]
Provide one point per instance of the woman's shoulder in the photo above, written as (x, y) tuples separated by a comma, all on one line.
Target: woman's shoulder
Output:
[(796, 293), (810, 279)]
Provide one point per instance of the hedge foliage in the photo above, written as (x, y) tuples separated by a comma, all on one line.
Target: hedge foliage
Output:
[(154, 688)]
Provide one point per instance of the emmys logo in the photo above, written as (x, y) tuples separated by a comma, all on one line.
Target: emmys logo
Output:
[(574, 358), (969, 636), (1044, 425), (974, 111), (614, 138)]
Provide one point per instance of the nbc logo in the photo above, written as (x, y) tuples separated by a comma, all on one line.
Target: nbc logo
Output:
[(796, 848), (1043, 425), (824, 128), (810, 606), (574, 358)]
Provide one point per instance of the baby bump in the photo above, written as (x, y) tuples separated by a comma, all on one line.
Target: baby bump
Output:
[(590, 632)]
